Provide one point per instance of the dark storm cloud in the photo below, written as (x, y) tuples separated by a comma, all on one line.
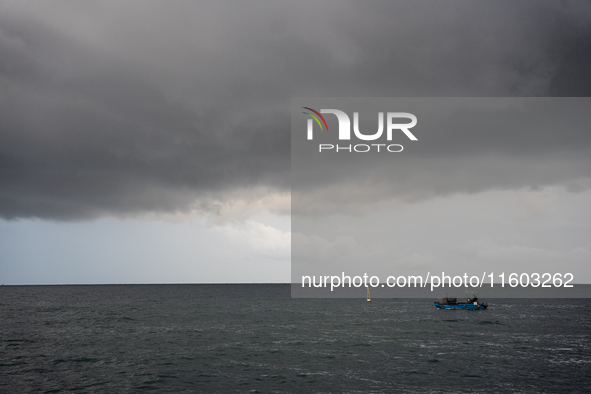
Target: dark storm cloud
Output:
[(121, 108), (465, 145)]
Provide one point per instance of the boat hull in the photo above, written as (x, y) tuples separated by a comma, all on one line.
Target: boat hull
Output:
[(460, 306)]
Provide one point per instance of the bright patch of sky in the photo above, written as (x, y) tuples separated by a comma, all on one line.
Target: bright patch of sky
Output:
[(112, 250)]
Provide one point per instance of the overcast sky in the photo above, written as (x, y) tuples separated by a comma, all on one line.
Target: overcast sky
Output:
[(145, 141), (490, 185)]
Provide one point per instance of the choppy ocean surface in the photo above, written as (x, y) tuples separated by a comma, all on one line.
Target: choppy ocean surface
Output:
[(255, 338)]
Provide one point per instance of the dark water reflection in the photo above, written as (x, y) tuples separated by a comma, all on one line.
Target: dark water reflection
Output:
[(255, 338)]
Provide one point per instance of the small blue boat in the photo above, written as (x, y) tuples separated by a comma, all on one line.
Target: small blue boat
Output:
[(453, 303)]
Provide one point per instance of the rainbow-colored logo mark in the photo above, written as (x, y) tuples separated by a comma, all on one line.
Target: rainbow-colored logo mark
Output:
[(315, 118)]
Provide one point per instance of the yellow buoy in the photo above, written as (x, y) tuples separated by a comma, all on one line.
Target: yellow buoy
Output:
[(368, 296)]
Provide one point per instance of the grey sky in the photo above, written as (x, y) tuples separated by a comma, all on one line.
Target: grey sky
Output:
[(491, 185), (466, 145), (125, 107), (143, 251), (146, 109)]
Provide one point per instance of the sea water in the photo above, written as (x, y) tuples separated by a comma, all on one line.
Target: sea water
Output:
[(255, 338)]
